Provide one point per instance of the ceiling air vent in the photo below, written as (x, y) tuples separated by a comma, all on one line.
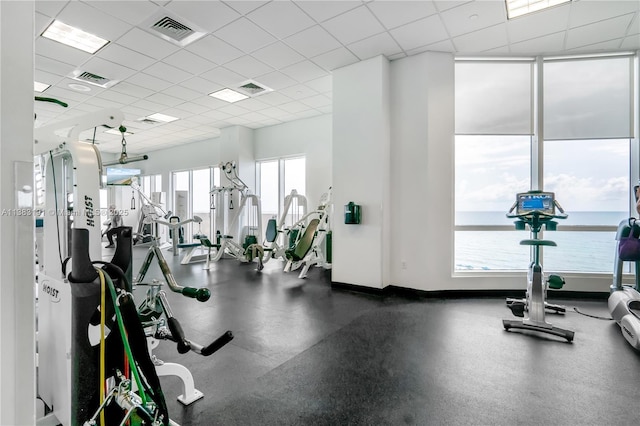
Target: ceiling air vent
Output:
[(173, 28), (95, 79), (146, 120), (253, 88)]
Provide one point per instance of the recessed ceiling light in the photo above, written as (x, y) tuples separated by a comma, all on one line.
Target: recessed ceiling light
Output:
[(473, 17), (117, 132), (162, 117), (79, 87), (517, 8), (228, 95), (74, 37), (40, 87)]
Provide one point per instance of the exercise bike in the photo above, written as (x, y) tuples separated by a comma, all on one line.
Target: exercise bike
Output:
[(536, 209)]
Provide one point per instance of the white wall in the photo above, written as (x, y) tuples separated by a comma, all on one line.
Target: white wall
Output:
[(361, 172), (310, 137), (17, 295)]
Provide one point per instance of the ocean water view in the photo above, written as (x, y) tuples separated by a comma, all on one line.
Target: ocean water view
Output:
[(577, 251)]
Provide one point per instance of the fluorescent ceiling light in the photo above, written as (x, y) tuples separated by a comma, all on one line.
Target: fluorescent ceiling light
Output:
[(74, 37), (117, 132), (162, 117), (517, 8), (228, 95), (40, 87)]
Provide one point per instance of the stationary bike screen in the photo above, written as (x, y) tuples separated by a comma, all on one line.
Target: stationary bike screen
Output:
[(543, 202)]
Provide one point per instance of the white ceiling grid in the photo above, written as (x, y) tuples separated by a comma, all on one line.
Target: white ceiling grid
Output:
[(289, 46)]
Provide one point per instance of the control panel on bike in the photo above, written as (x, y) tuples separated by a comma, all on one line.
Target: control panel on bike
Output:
[(542, 202)]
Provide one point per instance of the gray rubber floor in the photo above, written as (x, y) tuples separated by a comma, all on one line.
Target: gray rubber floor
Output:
[(305, 353)]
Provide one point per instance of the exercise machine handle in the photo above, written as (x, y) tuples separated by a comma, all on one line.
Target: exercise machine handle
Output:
[(178, 335), (217, 344), (200, 294)]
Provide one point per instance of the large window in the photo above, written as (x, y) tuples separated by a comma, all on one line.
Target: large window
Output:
[(276, 179), (191, 197), (576, 145)]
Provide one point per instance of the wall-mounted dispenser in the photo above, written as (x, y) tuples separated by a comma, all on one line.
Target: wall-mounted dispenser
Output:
[(352, 213)]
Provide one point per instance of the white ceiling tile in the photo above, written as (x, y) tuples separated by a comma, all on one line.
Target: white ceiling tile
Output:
[(119, 97), (353, 25), (269, 122), (103, 103), (41, 23), (321, 85), (420, 33), (248, 66), (201, 85), (115, 53), (588, 12), (308, 113), (148, 105), (381, 43), (316, 101), (92, 20), (548, 43), (605, 46), (245, 35), (203, 119), (167, 72), (149, 82), (323, 10), (210, 102), (193, 108), (131, 89), (147, 44), (485, 39), (326, 109), (215, 115), (299, 91), (441, 46), (443, 5), (276, 80), (281, 18), (134, 113), (234, 109), (278, 55), (189, 62), (335, 59), (165, 100), (60, 52), (591, 34), (392, 14), (274, 112), (304, 71), (631, 42), (254, 104), (67, 95), (275, 98), (312, 42), (223, 76), (52, 66), (46, 77), (294, 107), (245, 6), (132, 12), (473, 16), (210, 15), (254, 116), (182, 93), (214, 50), (540, 23), (49, 7), (176, 112), (107, 69)]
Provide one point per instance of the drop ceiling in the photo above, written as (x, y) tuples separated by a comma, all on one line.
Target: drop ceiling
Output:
[(290, 47)]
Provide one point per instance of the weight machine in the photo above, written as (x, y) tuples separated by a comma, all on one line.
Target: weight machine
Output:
[(280, 234), (237, 224), (83, 317), (312, 242)]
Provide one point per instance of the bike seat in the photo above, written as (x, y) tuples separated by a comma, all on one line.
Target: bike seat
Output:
[(538, 243)]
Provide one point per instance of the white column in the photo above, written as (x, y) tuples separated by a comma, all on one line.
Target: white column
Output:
[(17, 303), (361, 173)]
